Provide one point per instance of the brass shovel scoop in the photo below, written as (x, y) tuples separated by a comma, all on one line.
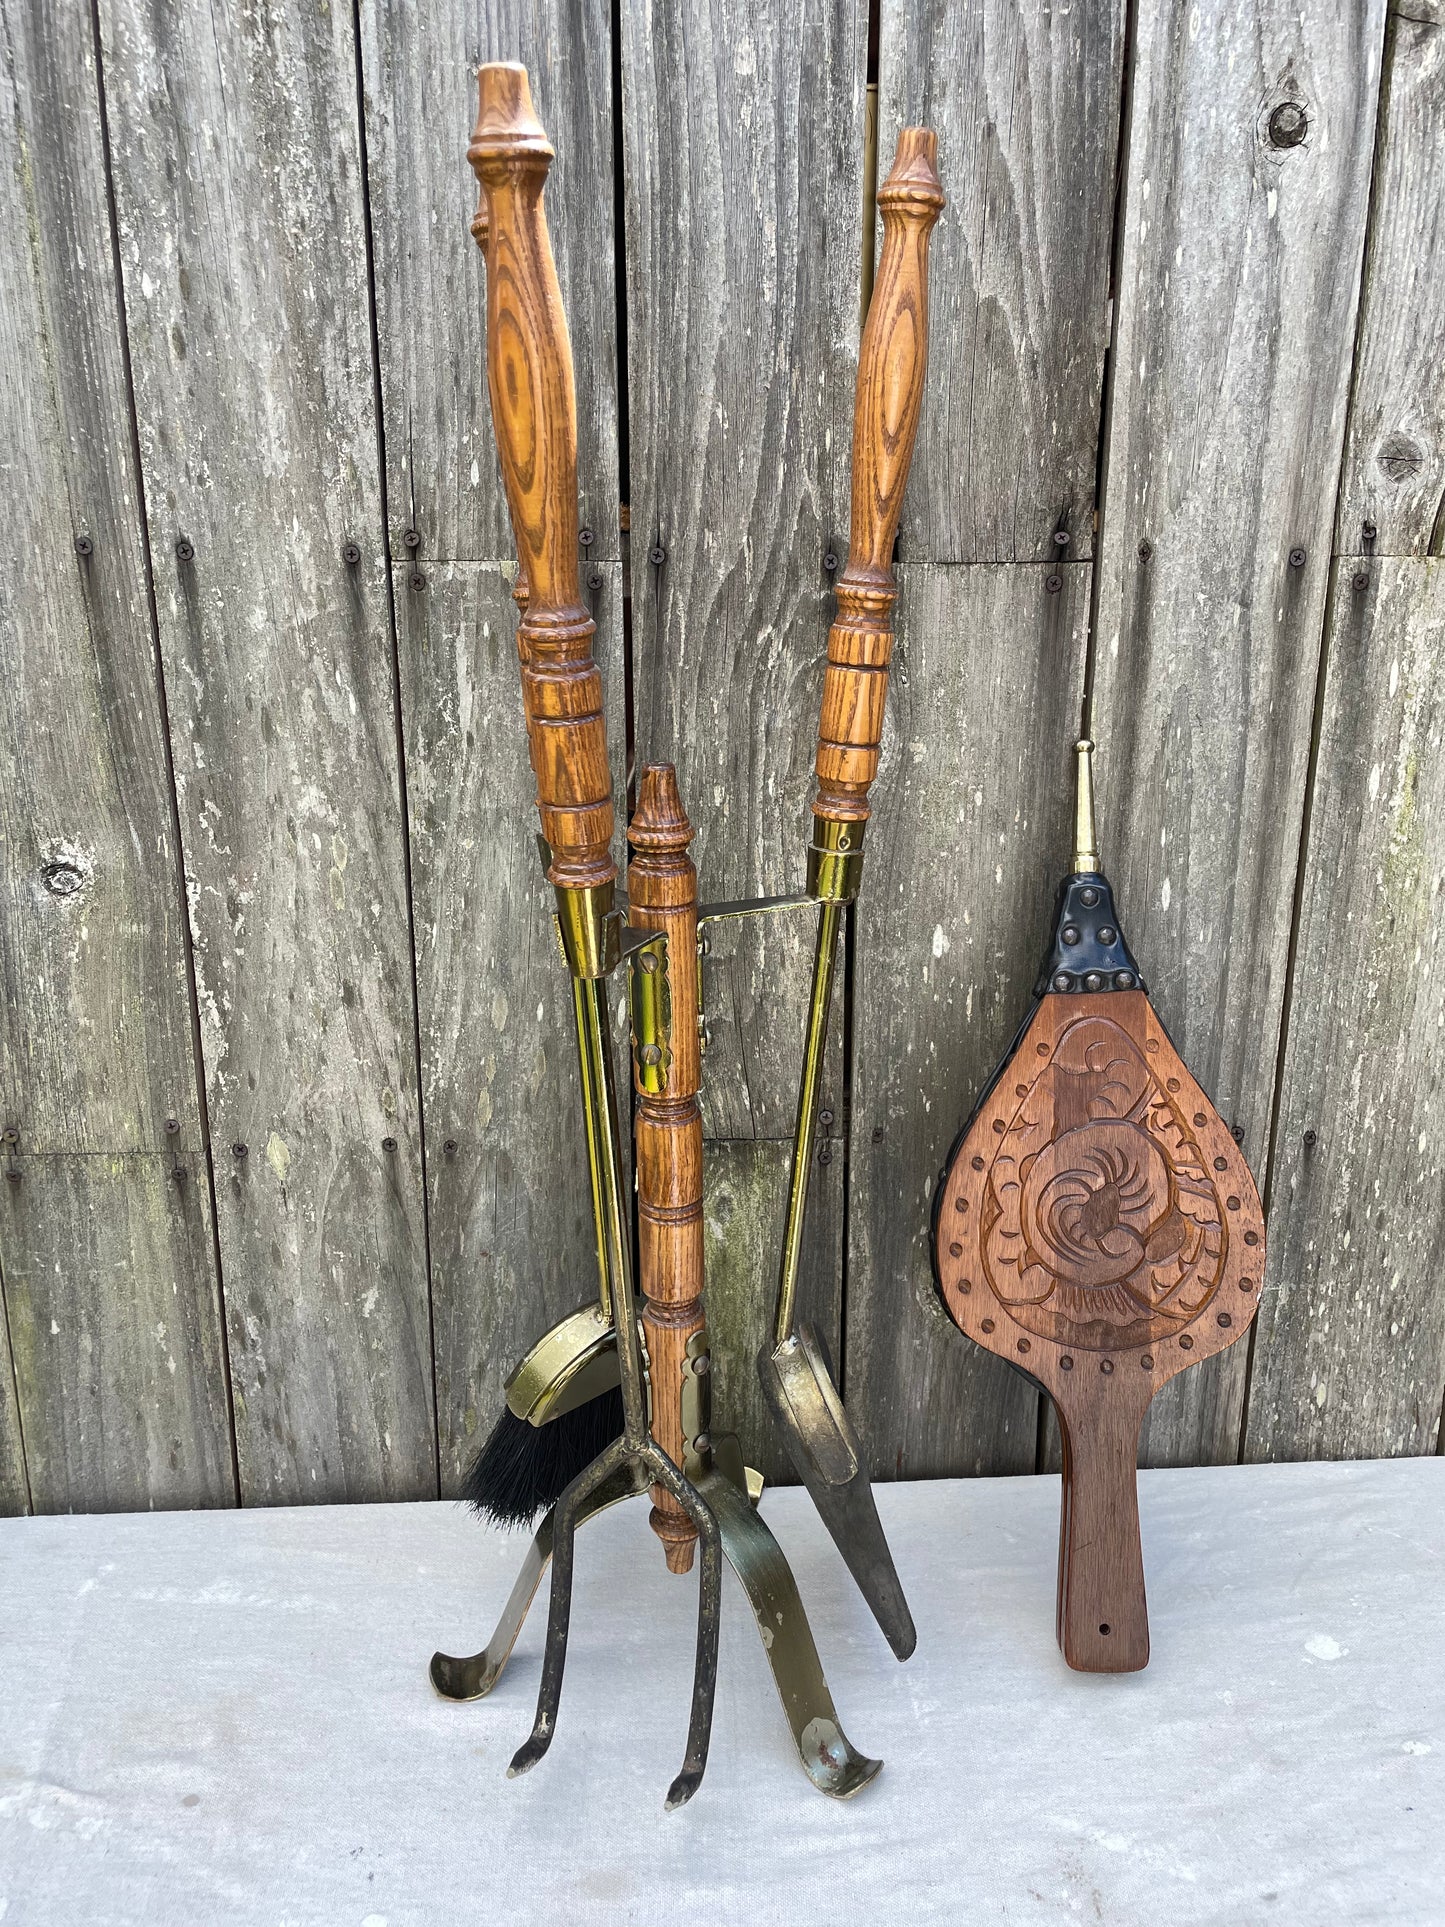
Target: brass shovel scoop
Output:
[(797, 1378)]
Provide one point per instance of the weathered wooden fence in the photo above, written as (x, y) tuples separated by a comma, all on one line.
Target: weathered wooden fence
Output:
[(291, 1152)]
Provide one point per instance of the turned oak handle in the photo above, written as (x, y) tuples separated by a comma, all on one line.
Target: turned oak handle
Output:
[(891, 363), (662, 895), (534, 415)]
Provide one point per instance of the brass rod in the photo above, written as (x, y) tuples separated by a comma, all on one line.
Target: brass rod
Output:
[(815, 1043), (602, 1090), (1086, 836), (590, 1115)]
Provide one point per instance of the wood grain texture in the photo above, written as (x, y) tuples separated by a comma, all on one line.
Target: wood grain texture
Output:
[(237, 183), (534, 419), (743, 149), (667, 1127), (14, 1483), (96, 1045), (892, 364), (1395, 452), (1350, 1352), (970, 831), (420, 96), (1025, 101), (511, 1227), (745, 1185), (1236, 298), (103, 1252), (1098, 1227)]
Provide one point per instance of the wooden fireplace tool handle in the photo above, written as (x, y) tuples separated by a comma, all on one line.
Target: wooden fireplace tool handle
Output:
[(662, 895), (892, 359)]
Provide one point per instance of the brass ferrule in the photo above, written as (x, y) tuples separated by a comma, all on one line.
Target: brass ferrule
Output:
[(590, 935), (835, 860)]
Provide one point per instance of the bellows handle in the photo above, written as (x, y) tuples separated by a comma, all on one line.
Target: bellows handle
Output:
[(891, 363), (534, 415)]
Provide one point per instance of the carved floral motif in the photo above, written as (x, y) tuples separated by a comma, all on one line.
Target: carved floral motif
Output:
[(1101, 1226)]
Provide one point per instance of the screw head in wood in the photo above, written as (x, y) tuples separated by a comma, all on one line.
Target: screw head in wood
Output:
[(1061, 538), (1359, 580), (84, 545), (1368, 530), (388, 1144), (412, 538), (584, 536), (1236, 1131), (173, 1124), (1146, 551), (184, 551), (416, 579), (594, 578), (10, 1135), (62, 879), (1288, 124), (239, 1150), (450, 1147), (1296, 558), (877, 1133), (657, 555), (1311, 1138), (1053, 583), (830, 560), (351, 553)]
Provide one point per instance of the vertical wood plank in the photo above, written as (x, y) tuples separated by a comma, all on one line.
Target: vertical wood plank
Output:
[(973, 816), (743, 147), (1349, 1356), (243, 243), (745, 1184), (510, 1223), (969, 838), (14, 1484), (108, 1267), (1237, 293), (1026, 103), (421, 100), (511, 1228), (1395, 451)]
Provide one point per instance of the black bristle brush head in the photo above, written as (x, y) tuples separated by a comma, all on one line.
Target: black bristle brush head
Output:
[(521, 1469)]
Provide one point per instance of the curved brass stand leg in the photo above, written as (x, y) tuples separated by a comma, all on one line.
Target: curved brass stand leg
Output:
[(829, 1758), (473, 1677)]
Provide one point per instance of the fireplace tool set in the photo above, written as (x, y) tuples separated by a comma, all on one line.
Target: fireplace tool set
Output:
[(1091, 1210), (659, 1358)]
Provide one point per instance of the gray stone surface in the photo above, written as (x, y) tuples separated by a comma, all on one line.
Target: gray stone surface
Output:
[(225, 1717)]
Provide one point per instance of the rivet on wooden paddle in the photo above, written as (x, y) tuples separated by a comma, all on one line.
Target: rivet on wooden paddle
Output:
[(1097, 1216)]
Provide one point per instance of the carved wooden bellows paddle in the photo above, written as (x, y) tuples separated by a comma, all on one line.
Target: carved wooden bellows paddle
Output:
[(1096, 1225)]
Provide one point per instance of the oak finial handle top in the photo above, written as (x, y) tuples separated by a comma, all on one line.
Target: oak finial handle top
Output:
[(892, 360), (534, 416)]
